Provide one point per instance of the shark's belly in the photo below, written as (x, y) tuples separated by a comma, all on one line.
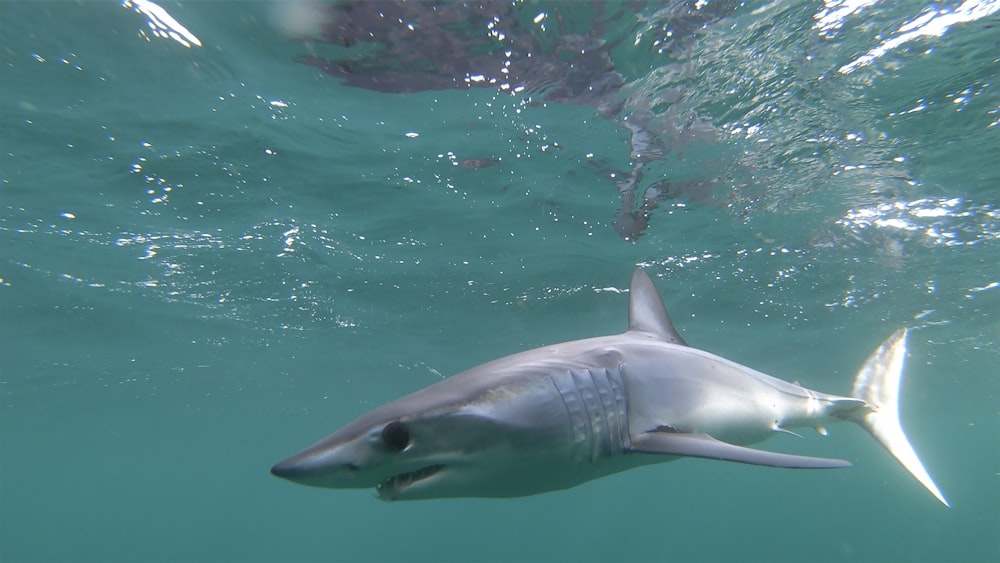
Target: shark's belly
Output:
[(692, 391)]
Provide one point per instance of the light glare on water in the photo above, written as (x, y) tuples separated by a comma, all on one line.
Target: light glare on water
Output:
[(229, 228)]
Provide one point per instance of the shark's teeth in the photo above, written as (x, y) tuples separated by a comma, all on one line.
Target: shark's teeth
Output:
[(393, 486)]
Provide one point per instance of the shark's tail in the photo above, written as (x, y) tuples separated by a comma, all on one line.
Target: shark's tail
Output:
[(877, 384)]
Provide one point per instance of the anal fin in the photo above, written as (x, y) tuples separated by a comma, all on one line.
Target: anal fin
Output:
[(703, 445)]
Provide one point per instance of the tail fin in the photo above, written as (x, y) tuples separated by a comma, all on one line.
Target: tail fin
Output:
[(877, 383)]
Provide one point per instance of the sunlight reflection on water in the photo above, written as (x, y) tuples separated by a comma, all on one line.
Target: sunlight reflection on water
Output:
[(939, 221)]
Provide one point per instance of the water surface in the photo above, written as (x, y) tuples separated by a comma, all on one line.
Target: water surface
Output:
[(214, 253)]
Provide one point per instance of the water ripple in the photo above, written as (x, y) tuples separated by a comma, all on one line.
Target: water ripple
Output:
[(936, 221)]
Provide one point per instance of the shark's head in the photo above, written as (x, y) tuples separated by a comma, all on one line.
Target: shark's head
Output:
[(401, 457), (436, 443)]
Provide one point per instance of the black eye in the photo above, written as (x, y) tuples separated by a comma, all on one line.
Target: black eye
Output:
[(396, 436)]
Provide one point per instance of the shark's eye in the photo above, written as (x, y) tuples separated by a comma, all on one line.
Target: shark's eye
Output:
[(396, 436)]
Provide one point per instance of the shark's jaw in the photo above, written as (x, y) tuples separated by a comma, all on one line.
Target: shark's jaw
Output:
[(395, 486)]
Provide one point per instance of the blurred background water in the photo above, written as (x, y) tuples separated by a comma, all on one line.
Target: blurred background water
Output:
[(228, 228)]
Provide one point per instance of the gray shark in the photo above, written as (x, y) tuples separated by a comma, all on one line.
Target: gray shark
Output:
[(561, 415)]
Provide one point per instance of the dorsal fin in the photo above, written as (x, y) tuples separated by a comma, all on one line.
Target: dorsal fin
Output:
[(646, 312)]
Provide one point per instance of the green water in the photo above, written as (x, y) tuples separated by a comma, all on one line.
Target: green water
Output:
[(213, 256)]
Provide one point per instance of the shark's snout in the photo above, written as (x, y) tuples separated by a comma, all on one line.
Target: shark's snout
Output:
[(312, 468), (288, 469), (294, 469)]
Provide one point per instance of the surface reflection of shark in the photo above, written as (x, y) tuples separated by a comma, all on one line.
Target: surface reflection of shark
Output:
[(561, 52)]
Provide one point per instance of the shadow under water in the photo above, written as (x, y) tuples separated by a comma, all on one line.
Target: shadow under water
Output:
[(561, 52)]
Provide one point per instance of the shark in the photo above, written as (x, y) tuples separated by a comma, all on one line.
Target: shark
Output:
[(555, 417)]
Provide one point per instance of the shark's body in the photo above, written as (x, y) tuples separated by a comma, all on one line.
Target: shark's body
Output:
[(557, 416)]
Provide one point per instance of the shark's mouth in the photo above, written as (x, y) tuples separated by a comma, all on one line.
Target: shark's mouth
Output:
[(392, 487)]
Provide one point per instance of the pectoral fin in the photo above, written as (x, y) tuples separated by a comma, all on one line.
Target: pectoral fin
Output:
[(703, 445)]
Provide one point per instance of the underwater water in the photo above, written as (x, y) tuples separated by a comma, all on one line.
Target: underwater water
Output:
[(225, 233)]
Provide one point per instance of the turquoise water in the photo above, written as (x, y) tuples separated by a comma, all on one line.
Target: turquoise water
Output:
[(212, 256)]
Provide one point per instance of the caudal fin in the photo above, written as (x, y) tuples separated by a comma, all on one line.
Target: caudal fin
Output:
[(877, 383)]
